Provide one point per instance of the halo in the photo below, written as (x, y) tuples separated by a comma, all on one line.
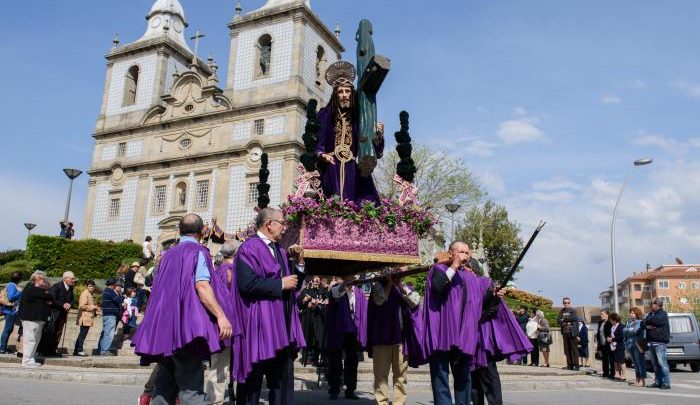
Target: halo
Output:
[(340, 72)]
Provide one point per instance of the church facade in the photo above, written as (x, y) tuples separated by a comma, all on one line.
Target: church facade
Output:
[(170, 140)]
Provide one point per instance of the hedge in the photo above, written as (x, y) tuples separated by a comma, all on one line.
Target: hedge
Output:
[(10, 256), (88, 259)]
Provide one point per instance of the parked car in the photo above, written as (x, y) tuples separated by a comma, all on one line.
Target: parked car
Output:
[(684, 347)]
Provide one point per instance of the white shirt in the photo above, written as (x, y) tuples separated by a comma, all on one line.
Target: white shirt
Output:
[(300, 267), (147, 250), (531, 328)]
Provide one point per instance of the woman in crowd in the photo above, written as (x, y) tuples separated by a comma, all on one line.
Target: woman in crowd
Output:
[(86, 316), (14, 294), (617, 346), (583, 344), (603, 348), (34, 311), (532, 334), (634, 343), (121, 274), (544, 337)]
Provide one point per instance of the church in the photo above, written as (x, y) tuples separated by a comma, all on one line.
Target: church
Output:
[(171, 138)]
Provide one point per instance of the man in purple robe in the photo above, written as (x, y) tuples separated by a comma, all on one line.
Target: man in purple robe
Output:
[(264, 296), (346, 335), (338, 140), (391, 325), (454, 298), (186, 321)]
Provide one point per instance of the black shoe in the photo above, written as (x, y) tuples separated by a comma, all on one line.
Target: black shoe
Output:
[(351, 395), (665, 387), (576, 368), (654, 385), (333, 396)]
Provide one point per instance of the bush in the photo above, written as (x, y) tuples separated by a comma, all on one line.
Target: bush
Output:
[(26, 267), (88, 259), (11, 256), (530, 300)]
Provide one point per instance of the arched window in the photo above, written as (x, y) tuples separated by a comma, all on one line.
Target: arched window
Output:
[(264, 54), (320, 62), (131, 82)]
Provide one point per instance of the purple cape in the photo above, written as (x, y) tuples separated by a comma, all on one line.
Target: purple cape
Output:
[(176, 317), (222, 273), (339, 322), (384, 328), (264, 326), (502, 337), (356, 187), (450, 322)]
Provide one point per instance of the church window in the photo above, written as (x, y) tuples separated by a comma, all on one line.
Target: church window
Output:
[(259, 126), (131, 82), (264, 55), (253, 193), (121, 149), (320, 61), (202, 201), (114, 205), (159, 199), (185, 143)]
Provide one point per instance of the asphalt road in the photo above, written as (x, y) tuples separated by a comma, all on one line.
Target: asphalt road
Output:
[(685, 391)]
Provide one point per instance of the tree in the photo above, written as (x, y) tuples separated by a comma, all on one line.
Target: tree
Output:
[(499, 233), (441, 179)]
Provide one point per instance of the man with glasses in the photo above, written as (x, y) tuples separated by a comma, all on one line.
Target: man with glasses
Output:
[(264, 297), (568, 321)]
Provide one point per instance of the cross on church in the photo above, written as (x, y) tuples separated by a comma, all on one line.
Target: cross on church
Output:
[(195, 38)]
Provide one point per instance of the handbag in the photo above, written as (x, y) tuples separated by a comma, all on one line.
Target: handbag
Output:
[(4, 300), (544, 338)]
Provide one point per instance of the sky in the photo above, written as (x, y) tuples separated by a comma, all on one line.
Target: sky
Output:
[(548, 102)]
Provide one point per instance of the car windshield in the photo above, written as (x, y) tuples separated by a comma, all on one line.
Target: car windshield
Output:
[(680, 324)]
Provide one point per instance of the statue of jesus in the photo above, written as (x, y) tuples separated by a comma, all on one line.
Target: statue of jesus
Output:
[(338, 140)]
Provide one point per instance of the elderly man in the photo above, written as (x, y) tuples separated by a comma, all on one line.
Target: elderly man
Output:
[(220, 367), (658, 333), (187, 318), (264, 296), (62, 294), (568, 321)]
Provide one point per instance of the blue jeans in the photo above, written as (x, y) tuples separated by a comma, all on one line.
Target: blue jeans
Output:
[(109, 325), (640, 369), (662, 374), (440, 365), (7, 330)]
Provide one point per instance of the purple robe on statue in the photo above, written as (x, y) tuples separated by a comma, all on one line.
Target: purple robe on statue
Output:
[(502, 337), (176, 317), (356, 188), (339, 321), (263, 321), (451, 319), (384, 327)]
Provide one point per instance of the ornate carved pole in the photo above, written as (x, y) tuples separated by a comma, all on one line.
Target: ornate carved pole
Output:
[(263, 186)]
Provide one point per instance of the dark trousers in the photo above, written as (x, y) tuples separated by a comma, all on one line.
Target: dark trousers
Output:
[(571, 351), (535, 353), (440, 365), (607, 360), (180, 375), (348, 368), (487, 382), (81, 339), (279, 374), (53, 331)]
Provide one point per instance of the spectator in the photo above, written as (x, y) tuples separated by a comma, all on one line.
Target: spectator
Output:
[(603, 348), (532, 334), (62, 297), (658, 335), (544, 336), (522, 318), (147, 251), (67, 230), (130, 314), (617, 347), (583, 344), (634, 343), (86, 316), (112, 307), (34, 311), (14, 294), (129, 276), (121, 275), (568, 321)]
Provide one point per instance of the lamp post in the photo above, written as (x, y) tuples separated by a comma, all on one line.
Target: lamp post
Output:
[(638, 162), (72, 174), (452, 208), (29, 227)]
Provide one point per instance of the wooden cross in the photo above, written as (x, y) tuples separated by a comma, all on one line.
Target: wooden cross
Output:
[(195, 38)]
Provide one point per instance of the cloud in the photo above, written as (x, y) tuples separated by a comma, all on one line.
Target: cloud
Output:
[(659, 140), (493, 181), (690, 89), (610, 99), (480, 147), (522, 129), (555, 183), (519, 111)]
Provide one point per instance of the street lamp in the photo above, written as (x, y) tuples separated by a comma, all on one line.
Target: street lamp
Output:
[(29, 227), (452, 208), (638, 162), (72, 174)]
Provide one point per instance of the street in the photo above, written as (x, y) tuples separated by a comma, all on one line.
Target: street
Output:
[(685, 391)]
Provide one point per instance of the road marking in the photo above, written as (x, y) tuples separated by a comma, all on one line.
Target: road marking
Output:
[(645, 392), (689, 386)]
